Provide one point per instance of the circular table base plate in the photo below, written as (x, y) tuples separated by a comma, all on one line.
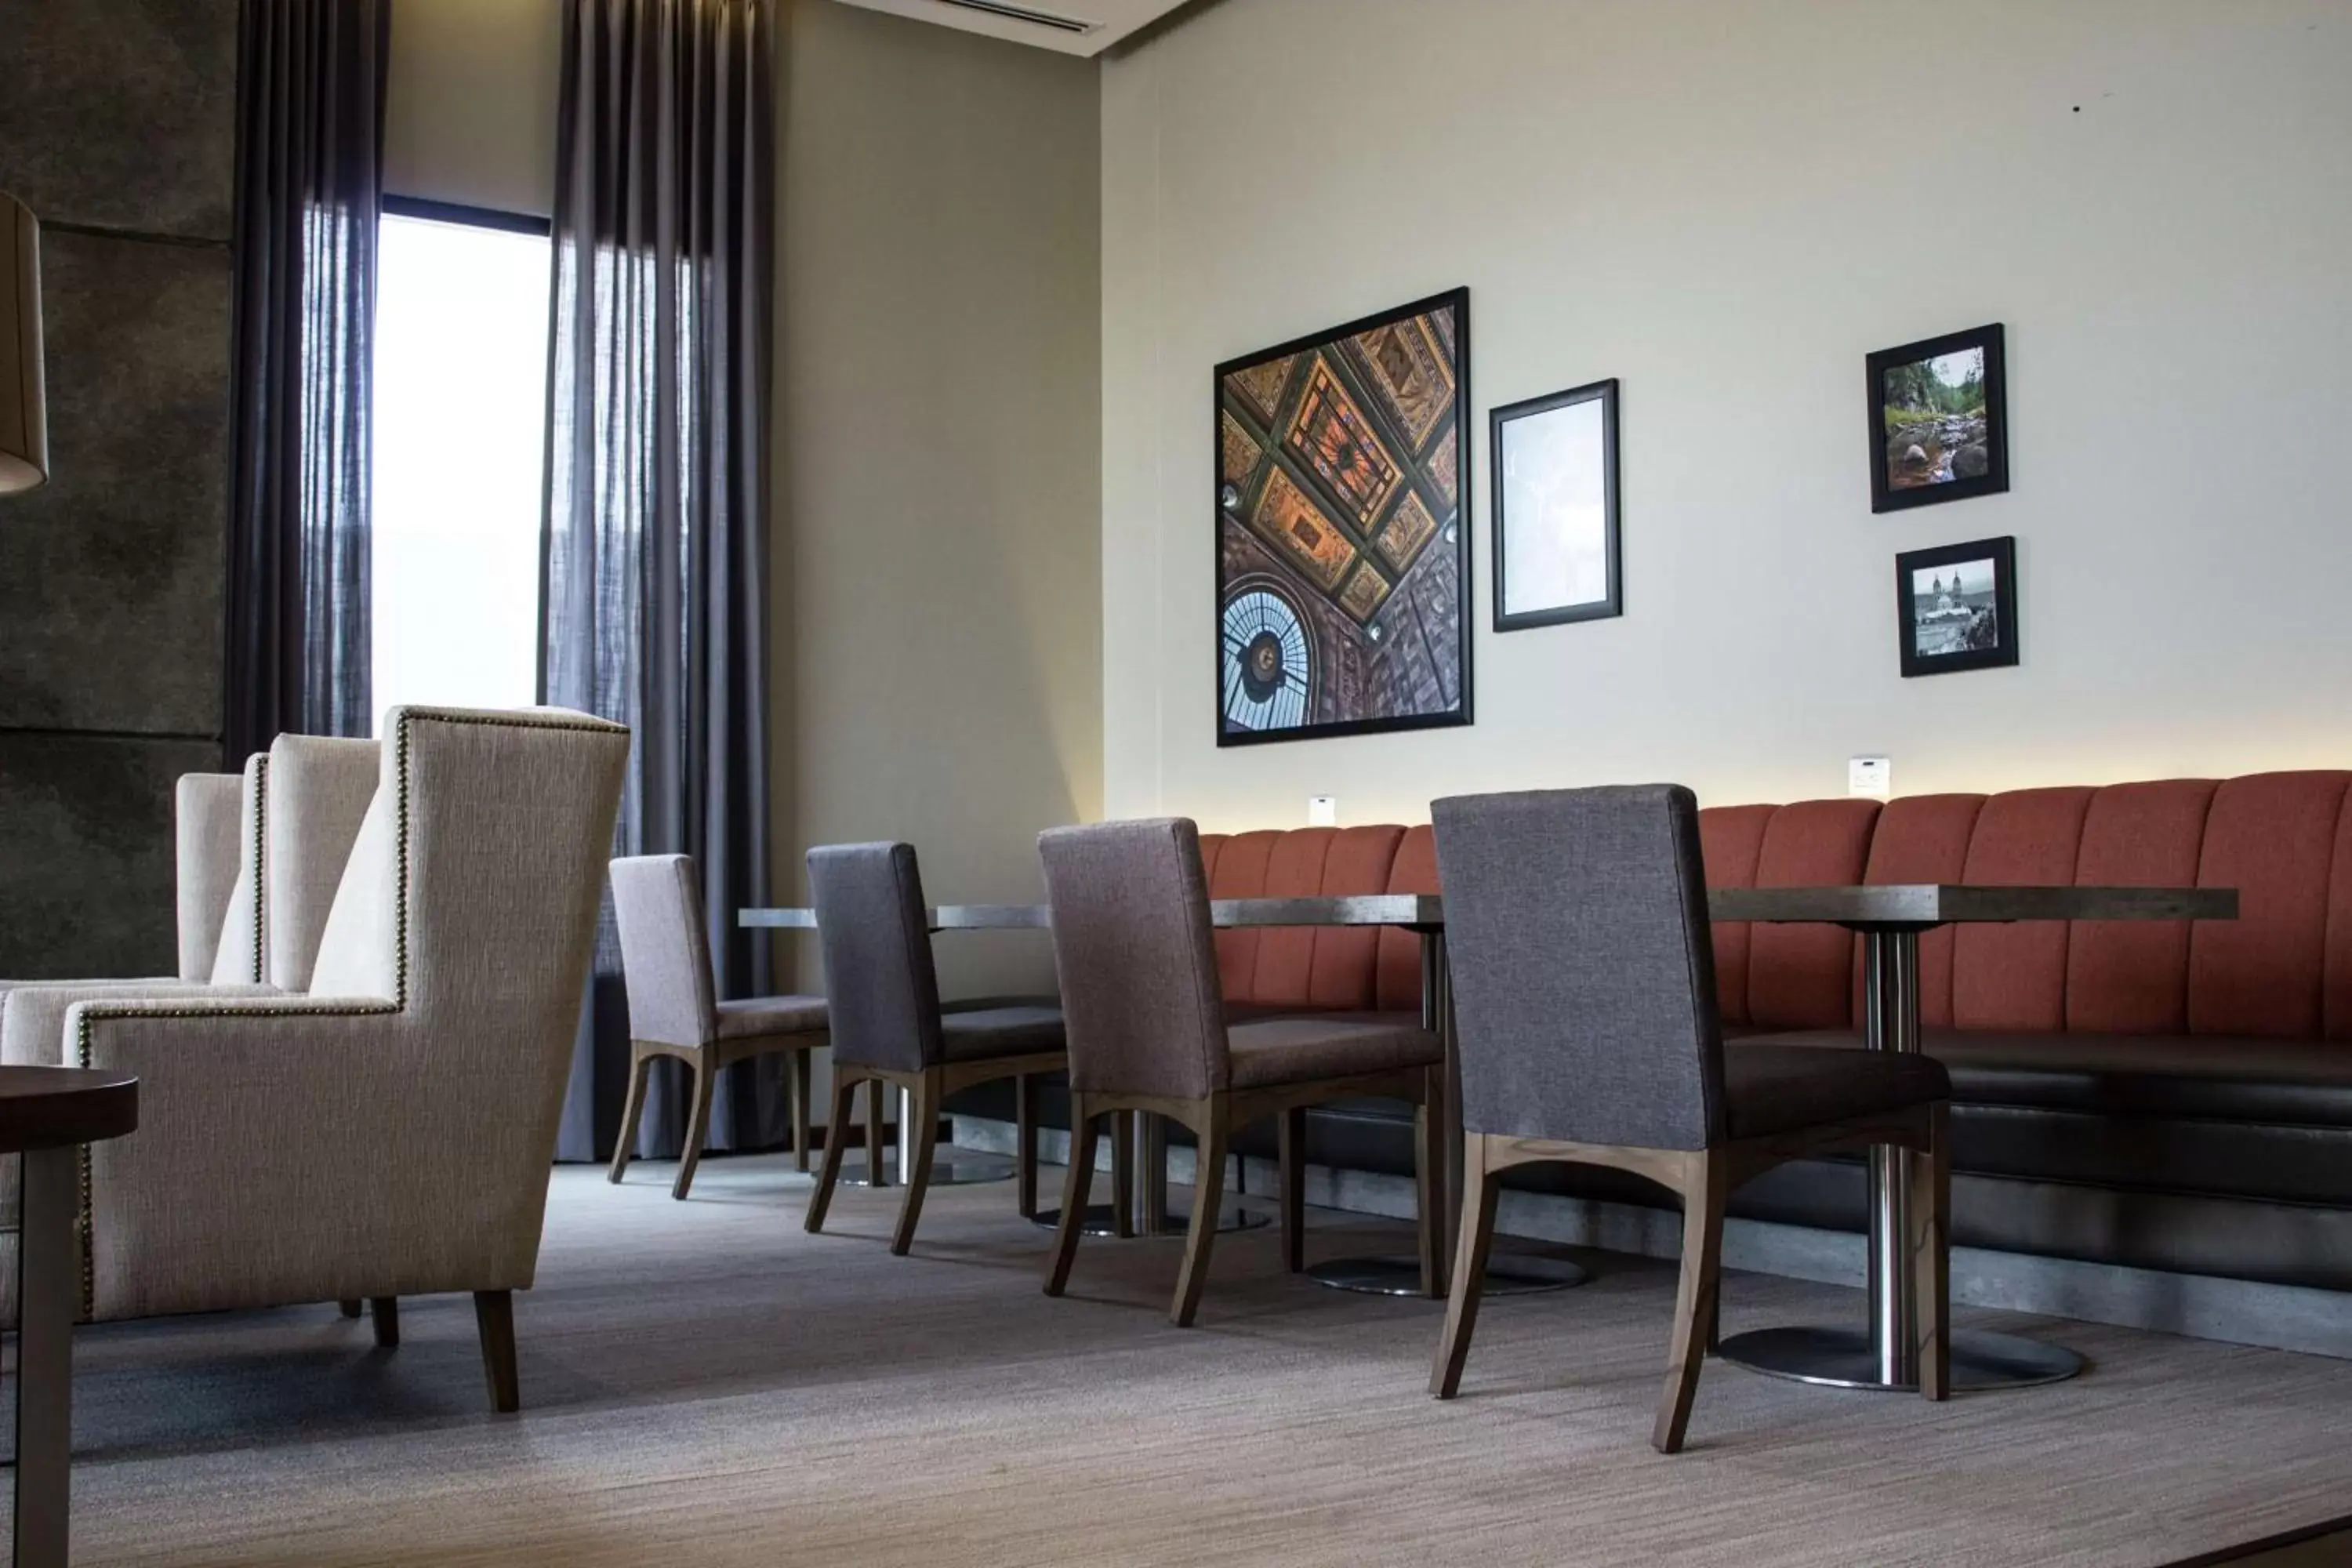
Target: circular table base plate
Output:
[(1844, 1358), (965, 1169), (1103, 1220), (1512, 1273)]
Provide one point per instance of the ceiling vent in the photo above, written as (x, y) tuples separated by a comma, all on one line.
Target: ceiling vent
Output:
[(1023, 14)]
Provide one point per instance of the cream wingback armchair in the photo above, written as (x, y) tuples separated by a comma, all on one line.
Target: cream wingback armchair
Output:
[(259, 856), (390, 1132), (205, 812), (214, 858), (296, 812)]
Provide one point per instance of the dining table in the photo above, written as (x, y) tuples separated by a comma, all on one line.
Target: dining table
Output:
[(1882, 1353)]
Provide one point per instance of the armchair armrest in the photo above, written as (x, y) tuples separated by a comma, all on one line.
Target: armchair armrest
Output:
[(294, 1149), (33, 1017)]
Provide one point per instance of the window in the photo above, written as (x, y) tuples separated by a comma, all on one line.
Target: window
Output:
[(459, 457)]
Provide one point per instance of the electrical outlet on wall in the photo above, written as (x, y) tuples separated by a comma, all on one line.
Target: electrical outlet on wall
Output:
[(1873, 776), (1322, 811)]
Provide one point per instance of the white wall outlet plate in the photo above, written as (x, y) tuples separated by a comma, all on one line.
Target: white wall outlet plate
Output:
[(1872, 777), (1322, 811)]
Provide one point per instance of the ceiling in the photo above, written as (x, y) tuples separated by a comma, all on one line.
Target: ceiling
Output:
[(1103, 22)]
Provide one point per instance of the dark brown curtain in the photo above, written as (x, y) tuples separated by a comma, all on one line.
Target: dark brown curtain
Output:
[(653, 595), (310, 178)]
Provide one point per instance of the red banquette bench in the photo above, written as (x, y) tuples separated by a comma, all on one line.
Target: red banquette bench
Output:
[(2167, 1095)]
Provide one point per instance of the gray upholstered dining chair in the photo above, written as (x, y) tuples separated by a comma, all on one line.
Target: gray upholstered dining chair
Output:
[(675, 1011), (1583, 970), (889, 1027), (1147, 1033)]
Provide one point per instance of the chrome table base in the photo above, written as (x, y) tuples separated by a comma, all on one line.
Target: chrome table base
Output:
[(1846, 1358), (1102, 1219), (949, 1168), (1508, 1274), (1885, 1354)]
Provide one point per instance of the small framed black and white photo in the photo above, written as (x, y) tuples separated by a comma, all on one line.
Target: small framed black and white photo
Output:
[(1956, 607), (1939, 420), (1554, 465)]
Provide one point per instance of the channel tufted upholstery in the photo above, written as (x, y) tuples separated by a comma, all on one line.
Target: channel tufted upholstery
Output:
[(2142, 1076)]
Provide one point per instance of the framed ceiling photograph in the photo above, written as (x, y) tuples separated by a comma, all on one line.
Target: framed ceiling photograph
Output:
[(1555, 508), (1343, 561)]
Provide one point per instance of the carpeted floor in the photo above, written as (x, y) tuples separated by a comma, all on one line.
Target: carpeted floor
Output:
[(704, 1384)]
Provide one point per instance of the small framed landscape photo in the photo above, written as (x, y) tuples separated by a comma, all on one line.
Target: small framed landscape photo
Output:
[(1555, 508), (1939, 420), (1956, 607)]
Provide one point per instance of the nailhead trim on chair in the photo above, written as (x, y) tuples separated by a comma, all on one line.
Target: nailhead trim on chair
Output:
[(399, 1003), (260, 862)]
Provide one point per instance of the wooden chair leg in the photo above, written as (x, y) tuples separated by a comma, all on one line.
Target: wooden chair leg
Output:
[(1931, 1253), (704, 1066), (1074, 1184), (350, 1306), (386, 1310), (494, 1317), (625, 1142), (1468, 1281), (1208, 1196), (1291, 1156), (836, 1143), (925, 1107), (876, 1172), (1024, 1144), (1434, 1180), (1703, 1199), (801, 1086), (1429, 1194), (1122, 1173)]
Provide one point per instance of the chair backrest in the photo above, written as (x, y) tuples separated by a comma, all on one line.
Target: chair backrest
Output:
[(1583, 969), (471, 891), (319, 790), (468, 909), (665, 952), (1138, 958), (881, 990), (205, 809), (238, 956)]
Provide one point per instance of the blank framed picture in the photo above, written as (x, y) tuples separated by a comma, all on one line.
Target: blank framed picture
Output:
[(1555, 466)]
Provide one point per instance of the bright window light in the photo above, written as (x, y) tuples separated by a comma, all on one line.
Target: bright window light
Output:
[(459, 460)]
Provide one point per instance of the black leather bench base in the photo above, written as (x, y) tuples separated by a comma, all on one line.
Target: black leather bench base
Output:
[(2046, 1183)]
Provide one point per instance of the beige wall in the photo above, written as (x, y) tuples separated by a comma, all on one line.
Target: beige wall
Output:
[(938, 570), (469, 112), (1728, 204), (937, 589)]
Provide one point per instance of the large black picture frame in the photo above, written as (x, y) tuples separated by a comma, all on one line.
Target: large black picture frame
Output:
[(1448, 525), (2002, 553), (1887, 496), (1613, 602)]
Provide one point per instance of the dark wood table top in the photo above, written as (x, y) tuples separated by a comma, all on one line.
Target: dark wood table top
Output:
[(1893, 904), (49, 1108)]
